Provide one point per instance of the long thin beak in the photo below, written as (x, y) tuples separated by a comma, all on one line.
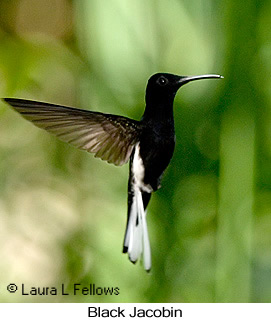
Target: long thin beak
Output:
[(186, 79)]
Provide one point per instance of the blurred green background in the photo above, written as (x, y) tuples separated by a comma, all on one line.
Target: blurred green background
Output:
[(63, 212)]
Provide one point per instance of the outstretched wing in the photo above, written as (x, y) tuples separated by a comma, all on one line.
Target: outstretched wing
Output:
[(110, 137)]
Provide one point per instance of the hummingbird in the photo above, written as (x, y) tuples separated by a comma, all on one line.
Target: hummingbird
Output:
[(148, 144)]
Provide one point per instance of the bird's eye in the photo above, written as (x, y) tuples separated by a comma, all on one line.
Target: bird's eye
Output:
[(162, 81)]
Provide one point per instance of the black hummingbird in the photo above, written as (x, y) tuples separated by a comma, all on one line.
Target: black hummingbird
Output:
[(148, 144)]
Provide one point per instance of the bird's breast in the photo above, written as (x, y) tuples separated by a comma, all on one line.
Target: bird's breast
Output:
[(151, 157)]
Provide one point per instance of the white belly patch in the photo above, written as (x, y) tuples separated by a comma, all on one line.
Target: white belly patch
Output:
[(139, 171)]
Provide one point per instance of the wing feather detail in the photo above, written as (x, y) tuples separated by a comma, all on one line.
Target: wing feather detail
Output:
[(110, 137)]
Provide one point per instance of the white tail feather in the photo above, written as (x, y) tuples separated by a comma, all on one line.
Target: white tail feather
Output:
[(134, 246), (137, 238), (146, 245)]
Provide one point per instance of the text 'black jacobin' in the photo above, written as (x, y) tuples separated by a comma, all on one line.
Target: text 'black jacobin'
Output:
[(148, 144)]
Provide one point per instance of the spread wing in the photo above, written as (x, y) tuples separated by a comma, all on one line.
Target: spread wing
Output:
[(109, 137)]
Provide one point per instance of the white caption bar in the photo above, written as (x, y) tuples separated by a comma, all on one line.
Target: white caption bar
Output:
[(166, 312)]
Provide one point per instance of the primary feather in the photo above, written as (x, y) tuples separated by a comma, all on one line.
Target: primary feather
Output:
[(110, 137)]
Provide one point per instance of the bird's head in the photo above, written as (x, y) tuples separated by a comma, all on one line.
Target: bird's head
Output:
[(162, 87)]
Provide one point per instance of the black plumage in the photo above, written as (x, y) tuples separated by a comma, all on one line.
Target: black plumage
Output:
[(148, 144)]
